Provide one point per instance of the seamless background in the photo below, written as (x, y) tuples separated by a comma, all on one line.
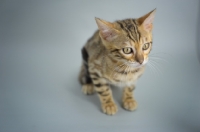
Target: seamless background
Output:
[(40, 43)]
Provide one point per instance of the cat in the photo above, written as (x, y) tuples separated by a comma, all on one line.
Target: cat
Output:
[(116, 55)]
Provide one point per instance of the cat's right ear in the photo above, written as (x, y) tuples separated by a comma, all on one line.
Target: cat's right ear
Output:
[(106, 30)]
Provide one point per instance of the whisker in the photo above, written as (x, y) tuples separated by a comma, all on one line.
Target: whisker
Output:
[(155, 66), (160, 53), (160, 64), (122, 76), (151, 69), (128, 69), (119, 70), (160, 59), (116, 68)]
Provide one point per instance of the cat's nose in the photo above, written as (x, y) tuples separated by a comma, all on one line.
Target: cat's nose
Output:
[(141, 61), (139, 58)]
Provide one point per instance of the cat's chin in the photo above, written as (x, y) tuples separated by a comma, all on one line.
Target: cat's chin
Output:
[(138, 65)]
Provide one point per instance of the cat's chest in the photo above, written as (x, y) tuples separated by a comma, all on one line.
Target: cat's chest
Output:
[(124, 78)]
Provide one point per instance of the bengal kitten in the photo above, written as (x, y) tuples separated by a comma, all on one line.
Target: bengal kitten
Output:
[(116, 55)]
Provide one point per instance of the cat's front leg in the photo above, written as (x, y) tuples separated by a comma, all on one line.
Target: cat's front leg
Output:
[(128, 100), (105, 94)]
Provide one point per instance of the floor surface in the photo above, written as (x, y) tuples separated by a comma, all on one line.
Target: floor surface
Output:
[(40, 43)]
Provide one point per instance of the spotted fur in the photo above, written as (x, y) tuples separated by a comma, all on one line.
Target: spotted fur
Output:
[(116, 54)]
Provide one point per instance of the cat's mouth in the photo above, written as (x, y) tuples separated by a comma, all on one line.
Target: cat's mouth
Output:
[(137, 64)]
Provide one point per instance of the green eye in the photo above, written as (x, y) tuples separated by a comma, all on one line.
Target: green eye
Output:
[(145, 46), (127, 50)]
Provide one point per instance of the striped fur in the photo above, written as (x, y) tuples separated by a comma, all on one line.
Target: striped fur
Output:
[(106, 62)]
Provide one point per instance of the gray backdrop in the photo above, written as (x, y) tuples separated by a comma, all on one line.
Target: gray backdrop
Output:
[(40, 58)]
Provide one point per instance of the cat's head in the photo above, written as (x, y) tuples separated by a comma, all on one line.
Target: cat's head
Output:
[(129, 40)]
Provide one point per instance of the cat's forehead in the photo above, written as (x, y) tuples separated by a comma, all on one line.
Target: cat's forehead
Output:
[(130, 42), (131, 29)]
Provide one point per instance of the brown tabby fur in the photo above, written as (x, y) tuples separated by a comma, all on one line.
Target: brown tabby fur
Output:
[(105, 62)]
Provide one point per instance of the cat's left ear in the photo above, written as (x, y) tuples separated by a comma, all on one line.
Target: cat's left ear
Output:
[(106, 30), (146, 21)]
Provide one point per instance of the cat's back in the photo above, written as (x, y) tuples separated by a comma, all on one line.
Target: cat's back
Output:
[(94, 46)]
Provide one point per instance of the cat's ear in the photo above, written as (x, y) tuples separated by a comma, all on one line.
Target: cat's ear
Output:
[(146, 21), (106, 30)]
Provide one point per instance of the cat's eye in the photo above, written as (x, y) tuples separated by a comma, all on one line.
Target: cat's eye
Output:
[(145, 46), (127, 50)]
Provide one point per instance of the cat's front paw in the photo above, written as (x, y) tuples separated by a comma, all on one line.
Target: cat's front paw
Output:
[(109, 108), (130, 104), (88, 89)]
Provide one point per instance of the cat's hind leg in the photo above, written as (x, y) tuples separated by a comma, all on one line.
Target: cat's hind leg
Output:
[(85, 80), (88, 89), (84, 77)]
